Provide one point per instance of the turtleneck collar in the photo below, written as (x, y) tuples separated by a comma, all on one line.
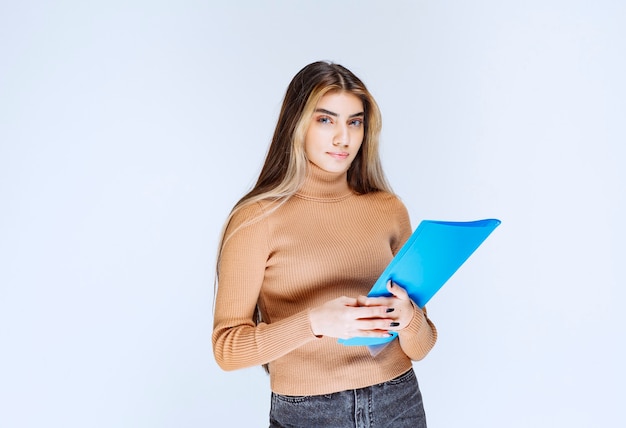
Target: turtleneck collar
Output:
[(324, 186)]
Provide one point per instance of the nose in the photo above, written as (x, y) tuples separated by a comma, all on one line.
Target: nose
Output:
[(342, 137)]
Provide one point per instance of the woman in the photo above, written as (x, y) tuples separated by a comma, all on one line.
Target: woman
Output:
[(301, 250)]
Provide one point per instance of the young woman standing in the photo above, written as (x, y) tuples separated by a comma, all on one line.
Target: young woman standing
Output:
[(299, 253)]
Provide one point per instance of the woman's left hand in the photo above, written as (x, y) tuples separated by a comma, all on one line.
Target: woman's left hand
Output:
[(401, 304)]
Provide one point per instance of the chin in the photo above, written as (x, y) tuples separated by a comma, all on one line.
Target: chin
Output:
[(331, 168)]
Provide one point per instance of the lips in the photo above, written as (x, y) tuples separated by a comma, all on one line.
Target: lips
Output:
[(339, 155)]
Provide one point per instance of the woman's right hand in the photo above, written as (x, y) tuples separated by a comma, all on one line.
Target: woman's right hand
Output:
[(343, 318)]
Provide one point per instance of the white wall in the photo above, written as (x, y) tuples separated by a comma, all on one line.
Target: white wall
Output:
[(128, 130)]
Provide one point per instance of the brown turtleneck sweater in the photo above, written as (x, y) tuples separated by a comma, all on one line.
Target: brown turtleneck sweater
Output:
[(323, 243)]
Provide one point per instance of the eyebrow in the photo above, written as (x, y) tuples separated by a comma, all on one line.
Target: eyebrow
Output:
[(331, 113)]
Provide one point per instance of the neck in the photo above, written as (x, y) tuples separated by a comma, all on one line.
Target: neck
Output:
[(321, 184)]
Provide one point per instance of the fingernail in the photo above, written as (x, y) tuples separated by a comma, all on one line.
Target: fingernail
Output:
[(390, 310), (394, 324)]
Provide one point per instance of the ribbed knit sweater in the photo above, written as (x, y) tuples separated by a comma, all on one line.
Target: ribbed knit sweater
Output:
[(323, 243)]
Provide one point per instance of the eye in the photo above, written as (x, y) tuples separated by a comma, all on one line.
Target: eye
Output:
[(356, 122), (324, 119)]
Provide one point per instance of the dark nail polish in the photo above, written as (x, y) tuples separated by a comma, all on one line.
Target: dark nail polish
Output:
[(394, 324), (390, 310)]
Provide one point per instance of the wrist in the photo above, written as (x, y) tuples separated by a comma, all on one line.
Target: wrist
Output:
[(313, 324)]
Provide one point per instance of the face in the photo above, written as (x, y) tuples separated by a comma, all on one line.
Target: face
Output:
[(336, 131)]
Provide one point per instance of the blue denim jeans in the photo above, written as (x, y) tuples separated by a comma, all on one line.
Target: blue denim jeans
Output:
[(396, 403)]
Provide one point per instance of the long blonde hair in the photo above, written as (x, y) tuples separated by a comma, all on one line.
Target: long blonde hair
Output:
[(285, 166)]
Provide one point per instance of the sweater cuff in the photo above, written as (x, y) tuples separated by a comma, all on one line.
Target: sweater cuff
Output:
[(416, 323), (302, 325)]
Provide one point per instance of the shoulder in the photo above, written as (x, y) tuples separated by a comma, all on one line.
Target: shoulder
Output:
[(248, 217), (245, 213)]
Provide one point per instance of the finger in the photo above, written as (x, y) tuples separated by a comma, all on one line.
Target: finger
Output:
[(387, 324), (377, 324), (376, 301), (349, 301), (397, 290), (362, 301), (364, 312), (372, 333)]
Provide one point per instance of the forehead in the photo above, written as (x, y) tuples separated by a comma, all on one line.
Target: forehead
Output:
[(341, 102)]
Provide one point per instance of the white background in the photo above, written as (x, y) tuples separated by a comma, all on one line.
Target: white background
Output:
[(128, 129)]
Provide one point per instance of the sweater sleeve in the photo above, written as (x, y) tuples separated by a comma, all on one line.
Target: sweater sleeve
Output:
[(419, 337), (237, 341)]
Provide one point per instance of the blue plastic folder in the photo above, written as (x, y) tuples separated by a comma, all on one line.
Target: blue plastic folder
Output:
[(433, 253)]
